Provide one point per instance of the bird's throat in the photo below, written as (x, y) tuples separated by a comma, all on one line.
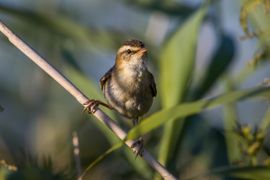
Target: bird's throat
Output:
[(132, 73)]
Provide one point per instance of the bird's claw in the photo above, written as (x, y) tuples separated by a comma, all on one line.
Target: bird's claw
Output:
[(91, 106), (137, 147)]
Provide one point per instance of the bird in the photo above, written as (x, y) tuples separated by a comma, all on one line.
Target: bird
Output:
[(128, 86)]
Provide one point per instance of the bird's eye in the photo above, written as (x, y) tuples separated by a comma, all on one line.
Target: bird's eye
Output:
[(129, 51)]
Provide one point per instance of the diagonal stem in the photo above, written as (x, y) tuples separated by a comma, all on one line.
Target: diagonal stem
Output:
[(80, 97)]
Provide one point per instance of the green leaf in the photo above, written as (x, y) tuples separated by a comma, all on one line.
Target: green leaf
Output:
[(247, 172), (88, 86), (171, 114), (258, 172), (265, 123), (169, 8), (218, 65), (246, 9), (101, 157), (257, 12), (177, 61), (69, 58), (243, 74), (260, 21), (64, 26), (138, 164), (1, 109), (176, 68), (230, 123)]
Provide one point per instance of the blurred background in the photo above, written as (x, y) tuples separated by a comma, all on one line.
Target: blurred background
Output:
[(197, 49)]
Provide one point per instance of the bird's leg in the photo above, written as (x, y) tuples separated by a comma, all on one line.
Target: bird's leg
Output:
[(91, 105), (135, 121), (139, 142)]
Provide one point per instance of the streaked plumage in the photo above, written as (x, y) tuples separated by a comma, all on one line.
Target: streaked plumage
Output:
[(128, 86)]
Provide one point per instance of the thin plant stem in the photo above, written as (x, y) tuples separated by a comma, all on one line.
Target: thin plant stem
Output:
[(76, 154)]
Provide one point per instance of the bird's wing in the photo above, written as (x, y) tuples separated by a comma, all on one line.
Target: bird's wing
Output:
[(104, 78), (153, 85)]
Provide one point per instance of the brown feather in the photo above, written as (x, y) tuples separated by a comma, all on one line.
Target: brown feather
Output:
[(153, 85), (104, 78), (134, 43)]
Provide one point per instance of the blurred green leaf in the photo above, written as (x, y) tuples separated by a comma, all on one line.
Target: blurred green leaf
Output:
[(139, 164), (173, 9), (176, 69), (243, 74), (64, 26), (258, 172), (257, 12), (101, 157), (265, 123), (246, 9), (31, 167), (218, 65), (4, 173), (87, 85), (247, 172), (1, 109), (69, 58), (177, 61), (187, 109), (230, 124), (260, 21)]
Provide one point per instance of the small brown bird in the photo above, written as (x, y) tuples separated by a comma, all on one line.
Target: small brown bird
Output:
[(128, 86)]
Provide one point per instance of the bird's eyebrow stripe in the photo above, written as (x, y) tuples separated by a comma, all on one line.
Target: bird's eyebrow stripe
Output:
[(126, 48)]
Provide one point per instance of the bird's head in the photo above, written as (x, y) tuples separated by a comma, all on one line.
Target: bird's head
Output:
[(131, 53)]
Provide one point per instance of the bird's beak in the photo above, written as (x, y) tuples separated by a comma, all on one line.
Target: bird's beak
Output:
[(142, 52)]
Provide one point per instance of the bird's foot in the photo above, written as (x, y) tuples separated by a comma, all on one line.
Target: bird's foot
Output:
[(137, 147), (91, 105)]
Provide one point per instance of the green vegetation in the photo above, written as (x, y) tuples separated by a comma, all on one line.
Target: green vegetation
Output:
[(211, 117)]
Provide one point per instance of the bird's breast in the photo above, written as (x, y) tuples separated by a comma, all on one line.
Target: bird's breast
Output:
[(129, 93)]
